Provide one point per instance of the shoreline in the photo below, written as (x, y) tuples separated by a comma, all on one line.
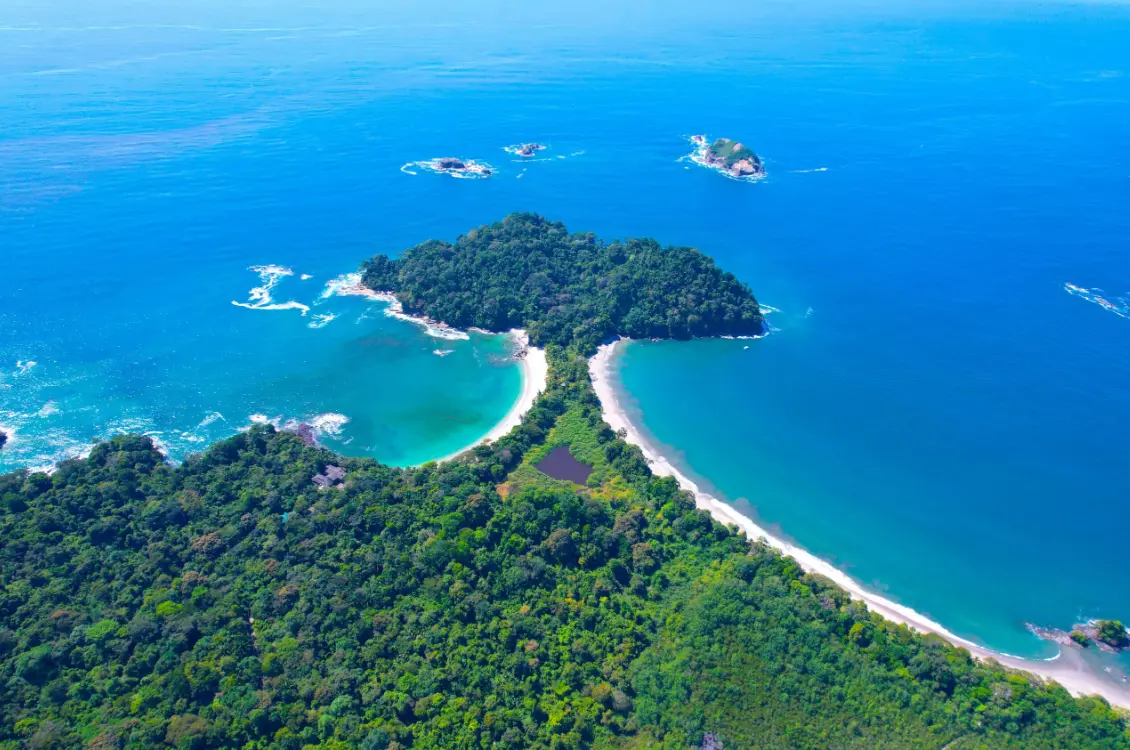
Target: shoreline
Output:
[(1066, 668), (535, 376), (532, 360)]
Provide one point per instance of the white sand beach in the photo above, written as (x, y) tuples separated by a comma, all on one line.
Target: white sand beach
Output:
[(532, 360), (1068, 669), (535, 375)]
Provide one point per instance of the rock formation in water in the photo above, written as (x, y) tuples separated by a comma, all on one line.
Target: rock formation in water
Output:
[(450, 164), (529, 149), (730, 156)]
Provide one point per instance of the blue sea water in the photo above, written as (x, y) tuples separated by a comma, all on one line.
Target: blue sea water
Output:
[(937, 412)]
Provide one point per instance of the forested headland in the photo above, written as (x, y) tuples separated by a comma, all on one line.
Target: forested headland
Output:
[(567, 289), (232, 602)]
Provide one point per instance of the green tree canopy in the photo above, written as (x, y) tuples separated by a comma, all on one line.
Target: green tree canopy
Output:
[(567, 289)]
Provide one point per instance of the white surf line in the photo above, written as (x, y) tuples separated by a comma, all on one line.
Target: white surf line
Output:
[(1070, 673), (531, 359)]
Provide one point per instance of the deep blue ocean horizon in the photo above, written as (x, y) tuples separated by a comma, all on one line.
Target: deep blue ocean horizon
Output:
[(938, 412)]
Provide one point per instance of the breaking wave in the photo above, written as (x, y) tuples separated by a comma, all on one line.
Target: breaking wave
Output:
[(1120, 306), (259, 298), (329, 423)]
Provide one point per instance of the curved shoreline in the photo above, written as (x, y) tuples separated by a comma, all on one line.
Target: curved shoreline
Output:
[(1067, 668), (531, 359), (535, 376)]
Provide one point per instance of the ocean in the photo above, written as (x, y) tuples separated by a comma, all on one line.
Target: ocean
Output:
[(936, 411)]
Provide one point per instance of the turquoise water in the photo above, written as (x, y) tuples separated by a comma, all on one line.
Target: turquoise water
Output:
[(937, 413)]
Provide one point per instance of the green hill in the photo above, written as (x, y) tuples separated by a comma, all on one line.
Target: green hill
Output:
[(567, 289)]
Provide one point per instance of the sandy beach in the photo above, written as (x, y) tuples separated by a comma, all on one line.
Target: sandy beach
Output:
[(535, 374), (532, 360), (1068, 669)]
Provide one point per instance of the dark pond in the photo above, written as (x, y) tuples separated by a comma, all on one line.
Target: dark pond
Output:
[(560, 464)]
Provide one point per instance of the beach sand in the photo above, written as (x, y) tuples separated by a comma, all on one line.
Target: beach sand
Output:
[(1068, 669), (532, 360), (535, 375)]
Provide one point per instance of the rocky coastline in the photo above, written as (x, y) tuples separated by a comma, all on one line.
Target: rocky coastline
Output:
[(727, 156), (1110, 636)]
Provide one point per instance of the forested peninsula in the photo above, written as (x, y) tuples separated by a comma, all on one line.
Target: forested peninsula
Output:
[(572, 290), (231, 601)]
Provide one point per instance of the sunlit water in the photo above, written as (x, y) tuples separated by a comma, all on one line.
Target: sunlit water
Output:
[(938, 413)]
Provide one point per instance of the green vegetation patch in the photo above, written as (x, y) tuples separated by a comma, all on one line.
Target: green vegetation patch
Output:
[(145, 605), (567, 289), (731, 152)]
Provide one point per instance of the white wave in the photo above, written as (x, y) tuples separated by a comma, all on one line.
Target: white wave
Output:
[(321, 321), (159, 444), (305, 277), (59, 448), (350, 285), (23, 367), (264, 419), (1120, 306), (442, 352), (259, 298), (473, 170), (214, 416), (809, 171), (130, 426), (514, 150), (766, 309), (329, 423), (47, 410), (438, 332)]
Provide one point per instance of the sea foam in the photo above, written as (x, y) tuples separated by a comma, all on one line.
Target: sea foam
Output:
[(329, 423), (350, 285), (1120, 306), (259, 298)]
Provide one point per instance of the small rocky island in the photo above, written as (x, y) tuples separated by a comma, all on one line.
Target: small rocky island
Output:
[(727, 156), (3, 439), (525, 149), (1108, 635), (450, 165)]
